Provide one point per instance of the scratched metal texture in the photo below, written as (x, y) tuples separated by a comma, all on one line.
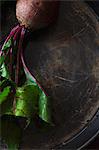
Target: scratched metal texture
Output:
[(64, 58)]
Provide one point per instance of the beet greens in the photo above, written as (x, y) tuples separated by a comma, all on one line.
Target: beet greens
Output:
[(20, 93)]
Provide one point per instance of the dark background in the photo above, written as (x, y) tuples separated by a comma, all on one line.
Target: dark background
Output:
[(95, 6), (94, 144)]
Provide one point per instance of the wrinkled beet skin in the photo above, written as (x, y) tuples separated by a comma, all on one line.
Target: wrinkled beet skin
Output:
[(35, 14)]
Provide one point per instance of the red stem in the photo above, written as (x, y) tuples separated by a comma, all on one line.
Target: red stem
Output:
[(32, 76), (11, 56), (18, 62), (9, 36), (18, 55)]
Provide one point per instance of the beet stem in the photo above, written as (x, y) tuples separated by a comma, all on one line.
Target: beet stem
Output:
[(9, 36), (18, 55), (11, 50), (18, 62), (32, 76)]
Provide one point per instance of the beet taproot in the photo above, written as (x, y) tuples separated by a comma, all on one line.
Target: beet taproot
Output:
[(34, 14)]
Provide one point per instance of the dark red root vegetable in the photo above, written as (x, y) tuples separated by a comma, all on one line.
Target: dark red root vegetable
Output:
[(35, 14), (31, 14)]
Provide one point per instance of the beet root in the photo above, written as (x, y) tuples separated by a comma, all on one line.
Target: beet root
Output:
[(34, 14)]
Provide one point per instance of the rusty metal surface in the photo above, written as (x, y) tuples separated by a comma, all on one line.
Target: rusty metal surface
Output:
[(65, 60)]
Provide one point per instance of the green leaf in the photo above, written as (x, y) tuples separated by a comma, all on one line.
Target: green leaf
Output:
[(1, 82), (29, 99), (4, 94), (7, 105), (43, 100), (1, 60), (7, 45), (6, 97), (4, 71), (3, 67), (26, 101), (44, 108), (10, 132), (29, 78)]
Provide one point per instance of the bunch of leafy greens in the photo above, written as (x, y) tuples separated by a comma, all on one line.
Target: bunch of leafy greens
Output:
[(20, 94)]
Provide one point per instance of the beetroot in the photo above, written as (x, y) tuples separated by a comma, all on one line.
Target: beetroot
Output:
[(36, 13), (27, 96), (31, 14), (20, 93)]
